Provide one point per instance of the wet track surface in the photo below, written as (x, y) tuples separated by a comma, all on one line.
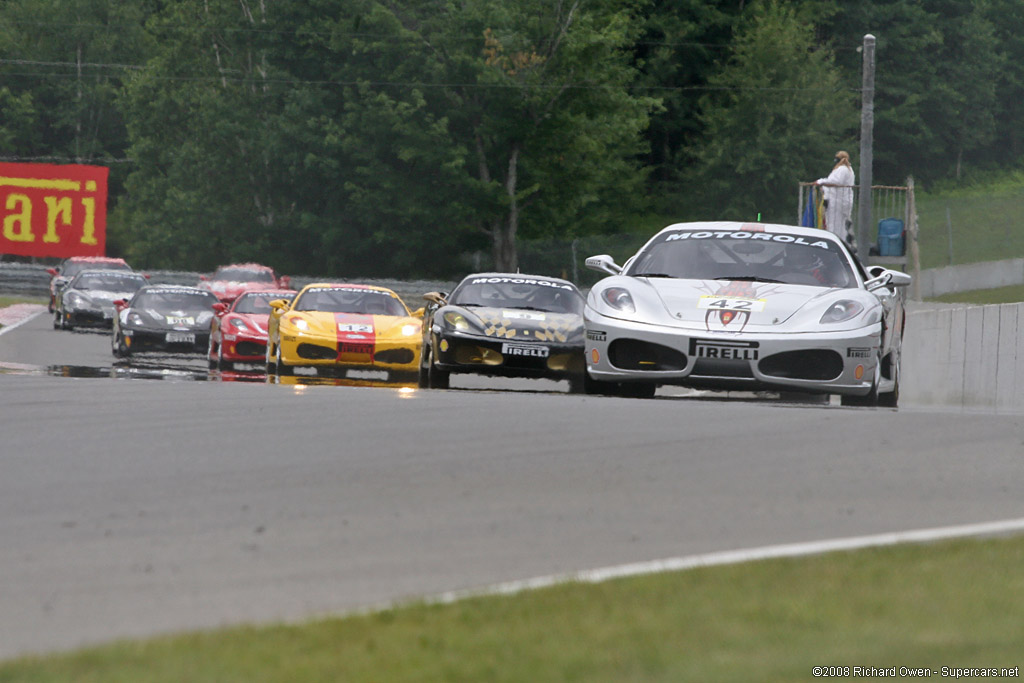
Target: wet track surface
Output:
[(133, 508)]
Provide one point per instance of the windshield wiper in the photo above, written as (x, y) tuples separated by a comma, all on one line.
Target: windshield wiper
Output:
[(653, 275), (751, 278)]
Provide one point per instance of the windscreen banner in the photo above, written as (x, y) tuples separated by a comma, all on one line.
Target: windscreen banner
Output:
[(53, 210)]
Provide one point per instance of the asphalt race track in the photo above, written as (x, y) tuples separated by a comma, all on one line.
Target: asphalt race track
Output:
[(135, 507)]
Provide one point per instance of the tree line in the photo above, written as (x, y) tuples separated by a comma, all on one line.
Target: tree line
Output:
[(387, 137)]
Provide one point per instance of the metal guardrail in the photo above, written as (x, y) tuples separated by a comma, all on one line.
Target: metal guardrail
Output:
[(32, 280)]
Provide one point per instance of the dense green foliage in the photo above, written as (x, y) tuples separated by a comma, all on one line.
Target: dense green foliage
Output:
[(424, 138)]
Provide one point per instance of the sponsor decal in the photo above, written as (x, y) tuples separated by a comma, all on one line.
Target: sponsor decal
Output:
[(180, 320), (350, 347), (524, 350), (522, 315), (746, 235), (726, 303), (518, 281), (597, 335), (858, 352), (724, 350), (444, 345), (595, 357), (354, 327), (53, 210), (352, 290), (355, 332), (732, 318)]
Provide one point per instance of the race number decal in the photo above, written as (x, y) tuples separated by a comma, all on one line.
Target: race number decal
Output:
[(354, 327), (730, 303)]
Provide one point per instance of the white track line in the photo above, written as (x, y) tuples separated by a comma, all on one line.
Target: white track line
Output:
[(737, 556), (13, 326)]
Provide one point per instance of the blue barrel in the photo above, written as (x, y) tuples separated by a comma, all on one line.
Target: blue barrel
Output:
[(891, 238)]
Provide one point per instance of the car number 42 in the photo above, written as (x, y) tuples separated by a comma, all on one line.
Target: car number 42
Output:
[(723, 303)]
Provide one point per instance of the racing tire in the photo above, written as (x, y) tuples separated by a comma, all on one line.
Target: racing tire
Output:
[(424, 373), (891, 399), (221, 363), (578, 383), (282, 369), (119, 348), (271, 362), (638, 389), (870, 399), (57, 320), (437, 378), (597, 387)]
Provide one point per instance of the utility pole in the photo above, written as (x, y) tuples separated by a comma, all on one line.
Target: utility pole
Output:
[(867, 125)]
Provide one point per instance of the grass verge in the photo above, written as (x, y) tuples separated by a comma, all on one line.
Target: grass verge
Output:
[(953, 604), (11, 300), (1000, 295)]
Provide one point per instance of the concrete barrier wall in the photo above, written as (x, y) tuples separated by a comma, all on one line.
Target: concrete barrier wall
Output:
[(989, 275), (966, 356)]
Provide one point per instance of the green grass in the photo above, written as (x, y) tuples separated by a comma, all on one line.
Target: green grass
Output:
[(985, 221), (6, 301), (999, 295), (955, 603)]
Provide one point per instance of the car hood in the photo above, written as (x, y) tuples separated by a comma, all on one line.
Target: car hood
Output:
[(524, 325), (731, 305), (354, 327), (178, 320), (100, 296)]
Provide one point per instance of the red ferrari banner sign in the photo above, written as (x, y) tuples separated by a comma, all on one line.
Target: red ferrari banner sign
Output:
[(51, 210)]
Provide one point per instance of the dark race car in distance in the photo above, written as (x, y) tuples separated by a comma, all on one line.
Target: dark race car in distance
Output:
[(70, 267), (227, 282), (504, 324), (163, 318), (88, 299), (238, 330)]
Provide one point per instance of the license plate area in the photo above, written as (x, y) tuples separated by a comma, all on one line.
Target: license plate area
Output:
[(181, 338)]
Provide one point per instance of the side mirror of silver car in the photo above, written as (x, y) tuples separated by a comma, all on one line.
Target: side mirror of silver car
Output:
[(604, 263), (889, 278)]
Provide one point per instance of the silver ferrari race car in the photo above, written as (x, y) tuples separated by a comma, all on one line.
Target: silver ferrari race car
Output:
[(746, 306)]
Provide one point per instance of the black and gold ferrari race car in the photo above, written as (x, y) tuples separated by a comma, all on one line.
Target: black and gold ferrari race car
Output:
[(504, 324)]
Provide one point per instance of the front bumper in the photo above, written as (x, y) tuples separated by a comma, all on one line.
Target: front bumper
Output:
[(399, 355), (470, 353), (243, 348), (167, 341), (90, 317), (841, 362)]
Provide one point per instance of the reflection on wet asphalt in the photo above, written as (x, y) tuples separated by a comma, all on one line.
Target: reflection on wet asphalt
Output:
[(189, 369)]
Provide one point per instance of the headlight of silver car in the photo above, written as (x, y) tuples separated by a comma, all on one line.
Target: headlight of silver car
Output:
[(619, 298), (841, 311), (75, 300)]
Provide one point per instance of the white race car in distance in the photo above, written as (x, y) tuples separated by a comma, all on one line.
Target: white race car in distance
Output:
[(746, 306)]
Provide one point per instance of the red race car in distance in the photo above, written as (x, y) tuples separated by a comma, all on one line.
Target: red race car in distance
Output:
[(227, 282), (238, 331)]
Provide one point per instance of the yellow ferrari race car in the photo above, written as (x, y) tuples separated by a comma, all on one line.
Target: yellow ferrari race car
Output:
[(338, 327)]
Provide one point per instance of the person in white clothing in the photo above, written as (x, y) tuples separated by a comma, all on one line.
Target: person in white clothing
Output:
[(838, 189)]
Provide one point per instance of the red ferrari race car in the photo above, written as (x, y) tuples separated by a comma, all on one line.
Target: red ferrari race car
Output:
[(69, 267), (238, 331), (227, 282)]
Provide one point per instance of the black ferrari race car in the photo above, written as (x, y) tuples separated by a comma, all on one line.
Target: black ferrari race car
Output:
[(163, 318), (504, 324)]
